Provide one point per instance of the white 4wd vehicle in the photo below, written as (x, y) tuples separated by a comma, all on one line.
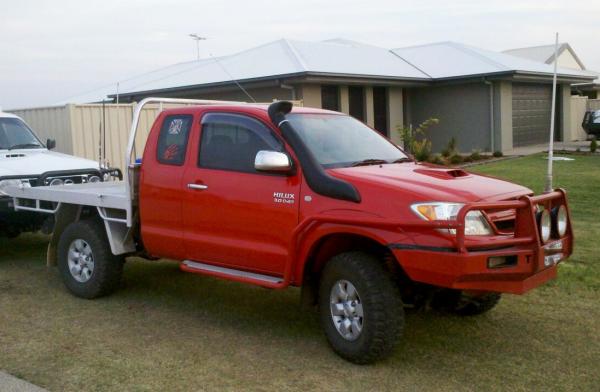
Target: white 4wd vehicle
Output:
[(26, 161)]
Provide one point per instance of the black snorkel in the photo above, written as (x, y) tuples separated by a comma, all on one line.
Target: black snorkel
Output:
[(318, 180)]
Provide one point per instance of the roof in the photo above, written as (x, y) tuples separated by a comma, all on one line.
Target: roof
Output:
[(8, 115), (543, 53), (338, 57), (461, 61), (275, 59)]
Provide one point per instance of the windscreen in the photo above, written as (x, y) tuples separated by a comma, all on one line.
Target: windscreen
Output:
[(14, 133), (342, 141), (596, 117)]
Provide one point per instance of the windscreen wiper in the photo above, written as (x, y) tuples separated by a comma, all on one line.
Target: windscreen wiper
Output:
[(24, 145), (401, 160), (366, 162)]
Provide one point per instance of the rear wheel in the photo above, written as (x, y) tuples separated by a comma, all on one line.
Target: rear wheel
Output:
[(86, 264), (360, 307), (464, 304)]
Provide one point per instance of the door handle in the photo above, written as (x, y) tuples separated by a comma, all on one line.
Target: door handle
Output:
[(199, 187)]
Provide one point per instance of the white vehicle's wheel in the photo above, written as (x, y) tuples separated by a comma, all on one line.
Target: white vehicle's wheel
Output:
[(86, 264)]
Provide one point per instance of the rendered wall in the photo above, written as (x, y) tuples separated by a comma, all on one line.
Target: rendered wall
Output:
[(463, 111)]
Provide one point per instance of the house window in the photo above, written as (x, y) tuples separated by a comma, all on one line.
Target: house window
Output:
[(173, 139), (356, 97), (380, 109), (330, 97)]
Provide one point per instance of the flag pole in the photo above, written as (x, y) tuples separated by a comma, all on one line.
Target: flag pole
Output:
[(549, 186)]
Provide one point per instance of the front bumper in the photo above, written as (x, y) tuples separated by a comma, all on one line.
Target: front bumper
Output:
[(466, 265)]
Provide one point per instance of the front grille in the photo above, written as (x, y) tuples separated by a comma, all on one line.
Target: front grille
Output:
[(69, 179)]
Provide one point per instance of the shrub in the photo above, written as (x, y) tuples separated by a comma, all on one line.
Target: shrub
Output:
[(497, 154), (469, 158), (593, 145), (419, 148), (476, 155), (437, 160), (450, 148), (456, 159)]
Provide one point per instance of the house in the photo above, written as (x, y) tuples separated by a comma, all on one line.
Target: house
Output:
[(487, 100), (567, 58)]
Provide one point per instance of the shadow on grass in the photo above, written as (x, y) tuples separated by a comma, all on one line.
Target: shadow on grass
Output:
[(158, 289)]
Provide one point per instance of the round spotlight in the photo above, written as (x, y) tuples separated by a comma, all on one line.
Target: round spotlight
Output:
[(56, 181), (545, 224), (94, 179), (69, 182), (561, 220)]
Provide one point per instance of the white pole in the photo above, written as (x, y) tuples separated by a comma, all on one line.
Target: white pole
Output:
[(551, 143)]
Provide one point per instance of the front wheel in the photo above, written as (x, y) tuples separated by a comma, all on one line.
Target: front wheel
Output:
[(85, 261), (360, 307)]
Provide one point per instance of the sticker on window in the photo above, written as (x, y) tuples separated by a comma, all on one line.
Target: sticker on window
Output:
[(175, 126)]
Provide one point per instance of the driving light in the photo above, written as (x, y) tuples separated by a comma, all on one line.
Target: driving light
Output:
[(94, 179), (56, 181), (6, 183), (545, 224), (560, 219), (475, 222)]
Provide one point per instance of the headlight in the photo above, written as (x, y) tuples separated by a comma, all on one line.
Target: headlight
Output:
[(545, 225), (475, 222), (6, 183), (560, 219)]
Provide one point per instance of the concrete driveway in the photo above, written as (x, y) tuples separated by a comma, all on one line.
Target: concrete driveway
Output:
[(9, 383), (568, 146)]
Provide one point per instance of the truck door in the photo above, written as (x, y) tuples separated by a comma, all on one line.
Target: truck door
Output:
[(233, 215), (160, 184)]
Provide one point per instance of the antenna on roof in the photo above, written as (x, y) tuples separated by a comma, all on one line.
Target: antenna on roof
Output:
[(549, 187), (232, 78)]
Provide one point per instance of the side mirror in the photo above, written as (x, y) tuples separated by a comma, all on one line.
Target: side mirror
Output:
[(50, 144), (272, 161)]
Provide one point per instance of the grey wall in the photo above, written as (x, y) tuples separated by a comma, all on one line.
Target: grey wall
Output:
[(463, 111)]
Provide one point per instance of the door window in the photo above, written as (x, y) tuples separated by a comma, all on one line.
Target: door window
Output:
[(231, 142), (173, 139)]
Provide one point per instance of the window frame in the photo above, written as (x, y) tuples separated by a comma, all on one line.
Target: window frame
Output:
[(159, 159), (260, 121)]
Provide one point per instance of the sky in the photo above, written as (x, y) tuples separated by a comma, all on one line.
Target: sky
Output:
[(51, 50)]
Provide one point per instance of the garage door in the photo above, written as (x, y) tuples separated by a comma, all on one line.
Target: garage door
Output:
[(531, 113)]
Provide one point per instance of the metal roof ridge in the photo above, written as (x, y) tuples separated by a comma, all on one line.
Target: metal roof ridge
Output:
[(468, 50), (411, 64), (298, 59)]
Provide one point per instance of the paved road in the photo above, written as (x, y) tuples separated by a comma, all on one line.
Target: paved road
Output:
[(9, 383)]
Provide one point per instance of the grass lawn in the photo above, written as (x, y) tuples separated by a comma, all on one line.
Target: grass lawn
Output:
[(167, 330)]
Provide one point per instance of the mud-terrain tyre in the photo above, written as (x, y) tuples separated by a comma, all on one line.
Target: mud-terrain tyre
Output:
[(359, 284), (461, 304), (86, 264)]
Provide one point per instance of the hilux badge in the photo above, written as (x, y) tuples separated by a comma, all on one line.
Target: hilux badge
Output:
[(280, 197)]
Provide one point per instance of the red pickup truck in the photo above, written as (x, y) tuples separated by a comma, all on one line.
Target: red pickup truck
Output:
[(278, 196)]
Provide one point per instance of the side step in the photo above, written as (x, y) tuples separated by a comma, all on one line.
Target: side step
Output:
[(232, 274)]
